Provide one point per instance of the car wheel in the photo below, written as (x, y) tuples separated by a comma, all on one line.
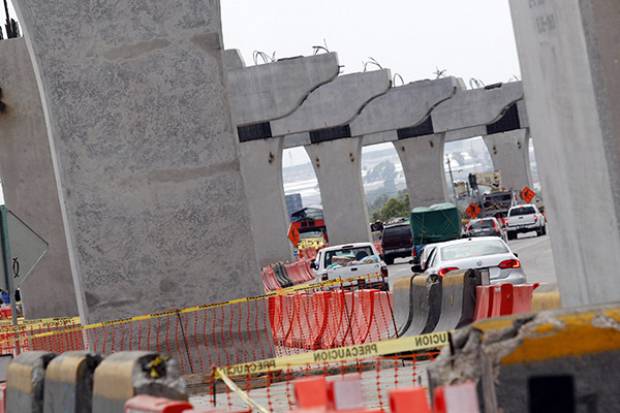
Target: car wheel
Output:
[(389, 260), (511, 235)]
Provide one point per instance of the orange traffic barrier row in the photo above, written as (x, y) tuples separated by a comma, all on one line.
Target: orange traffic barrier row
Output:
[(282, 275), (329, 319), (503, 299)]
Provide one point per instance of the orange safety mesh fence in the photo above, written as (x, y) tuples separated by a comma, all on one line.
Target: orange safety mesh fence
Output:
[(224, 334), (274, 391)]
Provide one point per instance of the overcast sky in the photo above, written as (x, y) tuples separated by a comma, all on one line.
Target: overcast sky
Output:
[(467, 38)]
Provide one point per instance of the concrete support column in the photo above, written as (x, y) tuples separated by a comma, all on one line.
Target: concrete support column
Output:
[(423, 164), (144, 152), (337, 165), (29, 184), (569, 53), (261, 165), (510, 154)]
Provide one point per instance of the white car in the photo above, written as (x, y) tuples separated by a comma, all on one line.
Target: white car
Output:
[(350, 261), (525, 218), (475, 253)]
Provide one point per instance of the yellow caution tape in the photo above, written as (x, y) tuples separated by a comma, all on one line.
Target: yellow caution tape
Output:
[(72, 329), (242, 395), (351, 353)]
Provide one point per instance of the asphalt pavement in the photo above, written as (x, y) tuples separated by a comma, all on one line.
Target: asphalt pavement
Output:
[(534, 253)]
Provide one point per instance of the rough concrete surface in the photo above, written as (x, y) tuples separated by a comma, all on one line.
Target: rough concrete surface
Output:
[(144, 150), (569, 59), (29, 183)]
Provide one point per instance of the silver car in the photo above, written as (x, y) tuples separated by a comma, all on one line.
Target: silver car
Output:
[(473, 253)]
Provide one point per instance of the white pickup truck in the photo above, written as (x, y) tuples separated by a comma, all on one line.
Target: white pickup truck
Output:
[(525, 218), (350, 261)]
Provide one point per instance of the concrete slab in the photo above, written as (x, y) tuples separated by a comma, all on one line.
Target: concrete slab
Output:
[(144, 152), (569, 59), (29, 184)]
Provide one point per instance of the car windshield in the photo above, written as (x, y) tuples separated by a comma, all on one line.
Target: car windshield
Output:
[(356, 254), (473, 249), (483, 224), (515, 212)]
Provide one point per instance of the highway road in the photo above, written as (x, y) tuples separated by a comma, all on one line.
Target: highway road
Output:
[(534, 253)]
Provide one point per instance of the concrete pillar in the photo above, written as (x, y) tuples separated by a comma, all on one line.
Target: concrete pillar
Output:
[(261, 164), (337, 165), (569, 53), (144, 151), (29, 184), (423, 164), (510, 154)]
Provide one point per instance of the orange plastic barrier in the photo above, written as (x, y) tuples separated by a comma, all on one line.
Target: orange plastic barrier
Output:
[(299, 271), (505, 299), (149, 404), (408, 400)]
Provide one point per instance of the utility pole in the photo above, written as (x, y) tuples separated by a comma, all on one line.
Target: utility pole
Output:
[(10, 26), (451, 178)]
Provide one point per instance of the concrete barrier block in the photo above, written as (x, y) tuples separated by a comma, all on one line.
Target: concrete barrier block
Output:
[(69, 383), (514, 359), (25, 382), (124, 375)]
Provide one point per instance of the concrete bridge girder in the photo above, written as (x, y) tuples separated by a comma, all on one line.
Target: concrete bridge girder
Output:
[(272, 91), (403, 106), (337, 165), (334, 104), (476, 107)]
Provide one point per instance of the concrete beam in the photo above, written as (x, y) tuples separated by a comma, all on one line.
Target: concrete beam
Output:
[(403, 107), (29, 184), (337, 165), (569, 59), (334, 104), (476, 107), (423, 164), (144, 150), (511, 156), (261, 165), (272, 91)]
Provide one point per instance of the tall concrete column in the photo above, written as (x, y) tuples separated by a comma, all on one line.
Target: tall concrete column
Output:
[(337, 165), (569, 52), (511, 155), (144, 152), (261, 163), (29, 185), (423, 163)]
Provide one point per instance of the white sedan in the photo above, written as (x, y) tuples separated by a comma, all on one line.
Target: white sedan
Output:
[(473, 253)]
